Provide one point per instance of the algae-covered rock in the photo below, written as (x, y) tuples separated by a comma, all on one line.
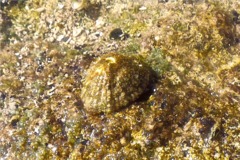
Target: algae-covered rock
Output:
[(192, 111)]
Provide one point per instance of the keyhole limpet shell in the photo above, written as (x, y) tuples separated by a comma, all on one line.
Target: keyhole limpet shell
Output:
[(114, 81)]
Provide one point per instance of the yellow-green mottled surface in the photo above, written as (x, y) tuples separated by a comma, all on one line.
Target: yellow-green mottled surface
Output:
[(192, 110)]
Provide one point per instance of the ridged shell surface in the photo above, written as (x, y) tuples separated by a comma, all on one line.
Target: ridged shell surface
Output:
[(114, 81)]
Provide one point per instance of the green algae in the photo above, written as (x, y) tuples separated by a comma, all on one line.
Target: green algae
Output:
[(158, 62)]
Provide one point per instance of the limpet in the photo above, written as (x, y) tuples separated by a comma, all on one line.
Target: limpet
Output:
[(113, 82)]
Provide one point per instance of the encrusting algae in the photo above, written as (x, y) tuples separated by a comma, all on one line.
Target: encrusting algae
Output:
[(114, 81), (48, 86)]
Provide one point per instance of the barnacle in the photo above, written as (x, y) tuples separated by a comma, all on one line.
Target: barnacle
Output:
[(114, 81)]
